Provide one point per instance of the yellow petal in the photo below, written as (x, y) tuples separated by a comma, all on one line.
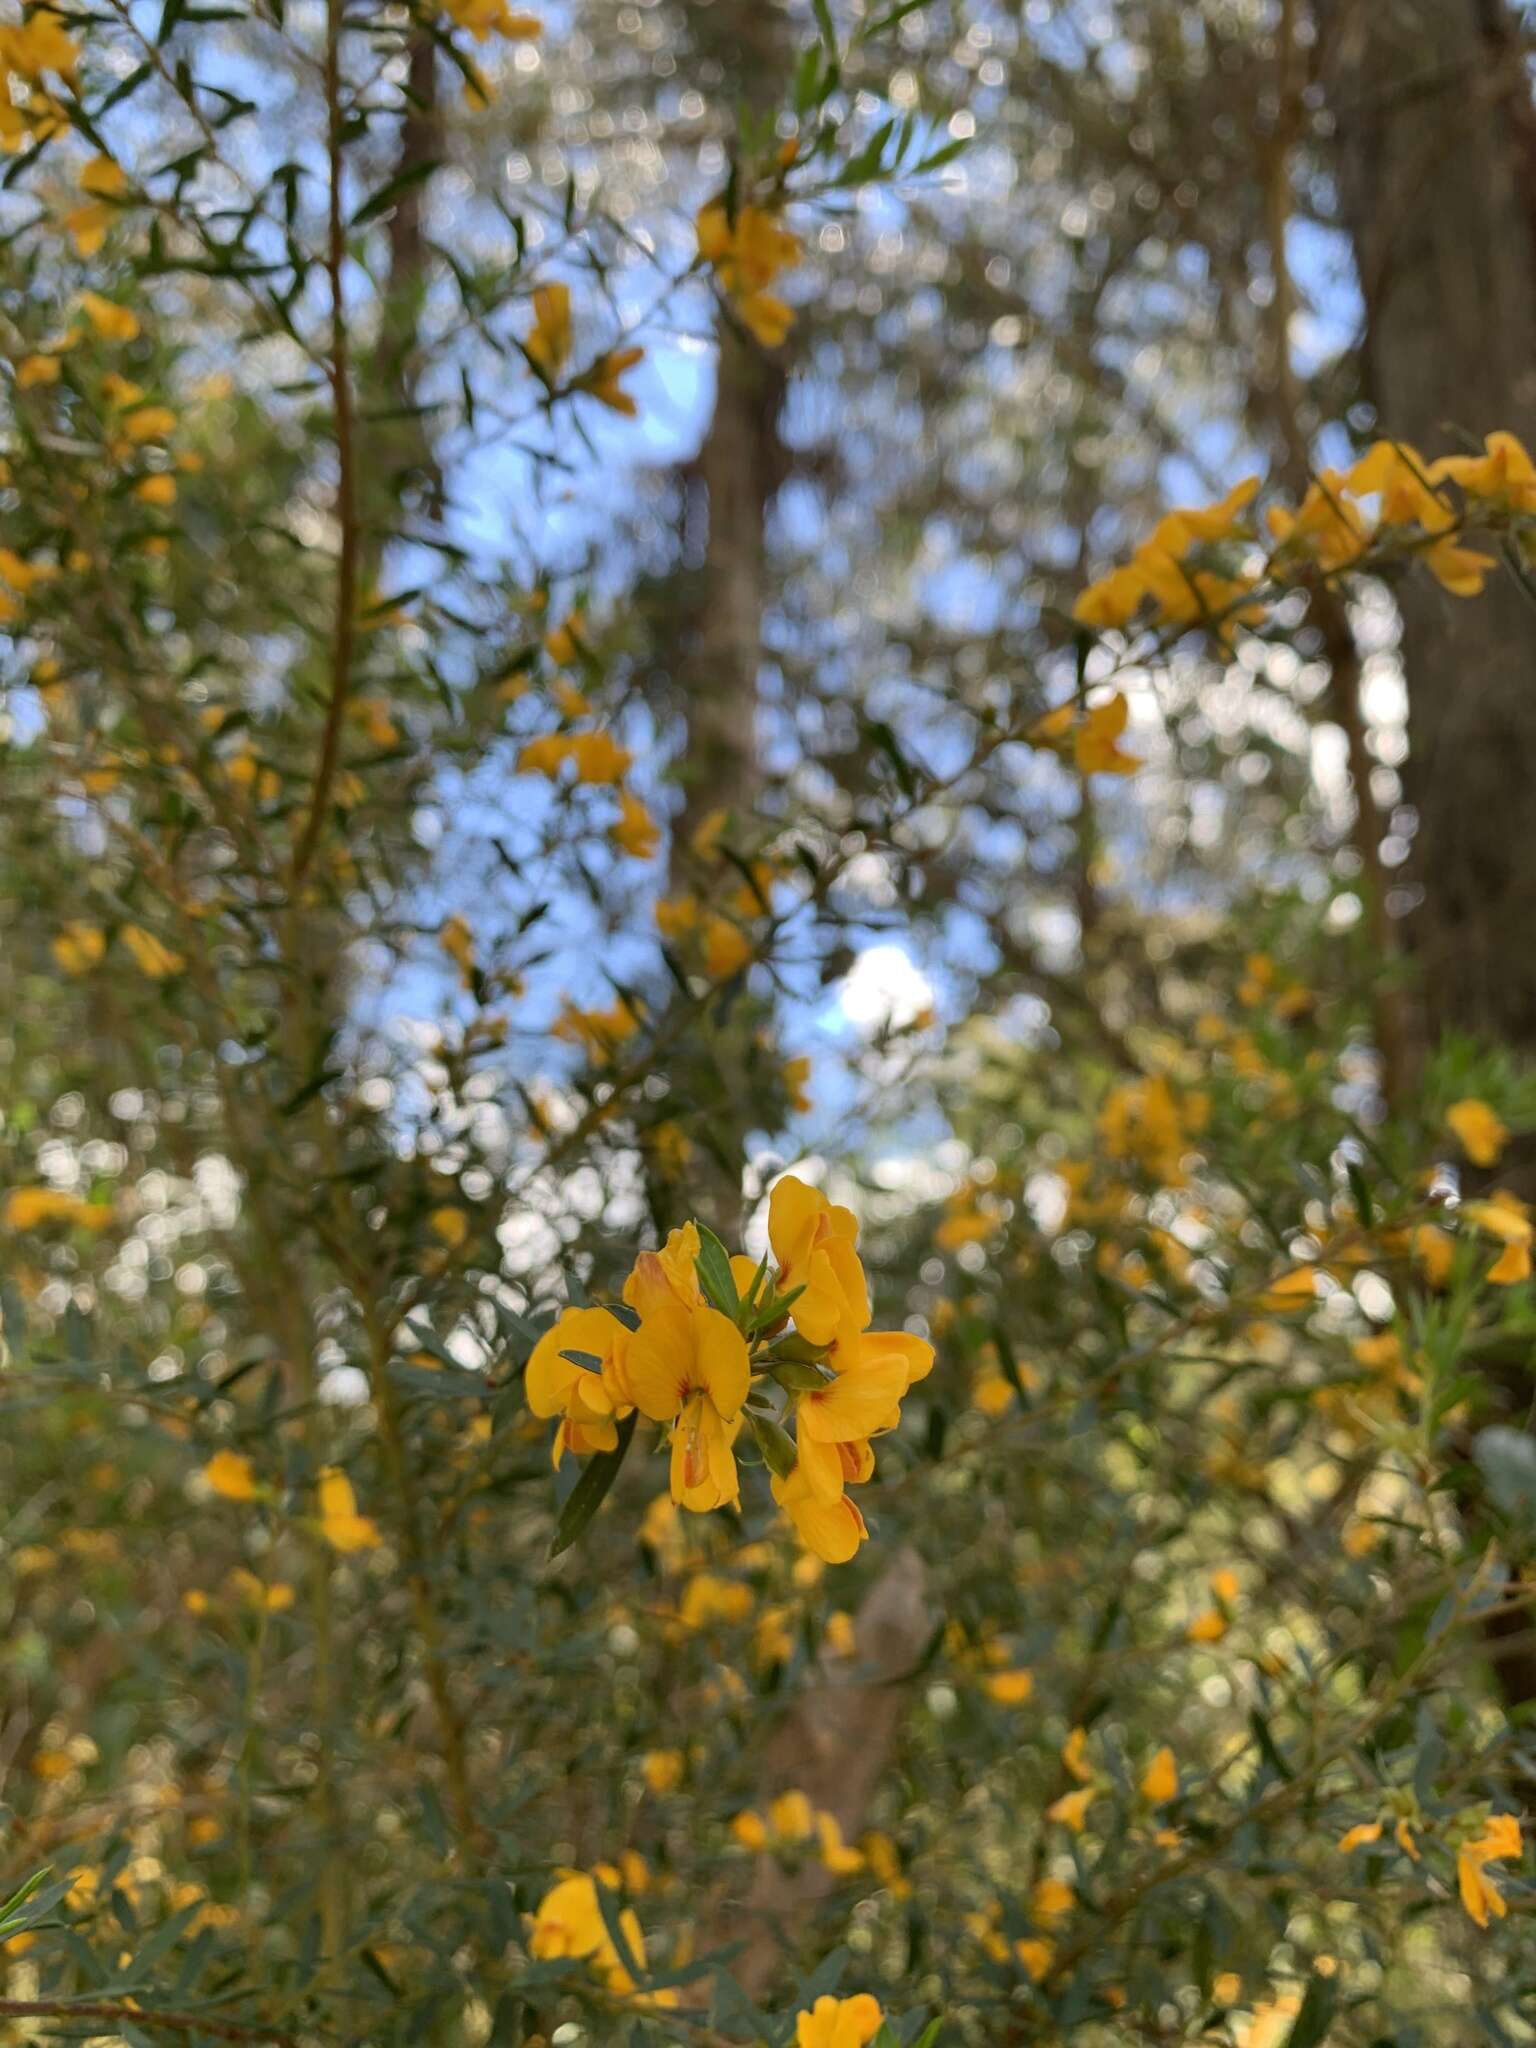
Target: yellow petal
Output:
[(1160, 1782)]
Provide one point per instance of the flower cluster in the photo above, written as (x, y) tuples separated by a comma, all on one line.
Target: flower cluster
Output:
[(706, 1344), (747, 250), (792, 1824), (30, 112), (1203, 565), (570, 1922), (839, 2023), (549, 345)]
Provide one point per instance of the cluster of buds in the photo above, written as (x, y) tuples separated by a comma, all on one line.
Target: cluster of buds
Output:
[(708, 1345)]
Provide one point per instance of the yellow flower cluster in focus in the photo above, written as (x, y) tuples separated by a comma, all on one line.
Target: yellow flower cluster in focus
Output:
[(707, 1345)]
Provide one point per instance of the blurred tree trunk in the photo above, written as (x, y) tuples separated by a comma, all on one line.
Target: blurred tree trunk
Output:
[(731, 485), (410, 462), (1435, 151), (833, 1744), (1435, 148)]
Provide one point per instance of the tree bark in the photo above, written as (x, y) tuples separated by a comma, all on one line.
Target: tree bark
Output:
[(730, 487), (1435, 152), (834, 1745)]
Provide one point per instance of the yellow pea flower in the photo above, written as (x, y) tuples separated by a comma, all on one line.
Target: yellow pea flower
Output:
[(232, 1476), (590, 1399), (1071, 1809), (832, 1530), (111, 321), (1503, 473), (1074, 1754), (636, 831), (103, 178), (884, 1860), (79, 947), (1110, 603), (794, 1074), (569, 1922), (1034, 1957), (1461, 571), (1505, 1217), (814, 1242), (837, 1856), (1096, 742), (275, 1598), (839, 2023), (340, 1523), (38, 44), (545, 754), (150, 955), (484, 18), (598, 757), (1498, 1842), (1009, 1688), (458, 942), (662, 1770), (1160, 1783), (1290, 1291), (149, 423), (708, 1599), (1434, 1251), (1479, 1131), (687, 1364), (749, 1830), (838, 1637), (1051, 1901), (449, 1224), (28, 1208), (1360, 1836), (792, 1817), (747, 254), (1271, 2021), (550, 339), (602, 380), (766, 318)]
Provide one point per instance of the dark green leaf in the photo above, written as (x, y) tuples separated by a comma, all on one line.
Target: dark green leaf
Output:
[(591, 1490)]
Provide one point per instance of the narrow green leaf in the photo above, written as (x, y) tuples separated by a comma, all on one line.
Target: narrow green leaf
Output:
[(382, 200), (1316, 2015), (713, 1265), (591, 1490), (1362, 1194), (890, 19)]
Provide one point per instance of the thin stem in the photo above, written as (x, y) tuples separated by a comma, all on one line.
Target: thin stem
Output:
[(418, 1571), (339, 370), (126, 2013)]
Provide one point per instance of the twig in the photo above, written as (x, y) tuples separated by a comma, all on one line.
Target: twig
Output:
[(123, 2012), (339, 370)]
